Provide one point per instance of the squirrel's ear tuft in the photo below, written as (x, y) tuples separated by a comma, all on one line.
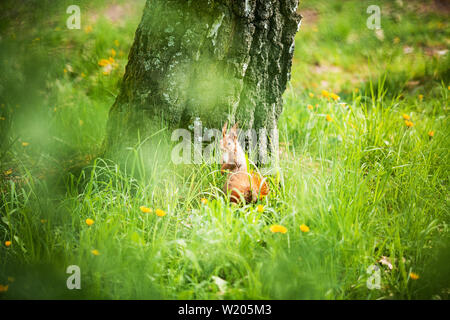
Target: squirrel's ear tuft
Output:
[(234, 129), (224, 129), (233, 132)]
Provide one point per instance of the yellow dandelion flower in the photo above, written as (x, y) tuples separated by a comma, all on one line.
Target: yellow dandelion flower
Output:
[(89, 222), (277, 228), (409, 124), (65, 70), (103, 62), (8, 172), (260, 208), (88, 29), (325, 94), (405, 116), (25, 144), (304, 228), (334, 96), (356, 90), (329, 118), (431, 133), (8, 243), (116, 42), (448, 87), (310, 107), (396, 40), (111, 59), (4, 288), (414, 276), (113, 52), (83, 75), (420, 97), (95, 252), (160, 213), (145, 209), (204, 201), (311, 95)]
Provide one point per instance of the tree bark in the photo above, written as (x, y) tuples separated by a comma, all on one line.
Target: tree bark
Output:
[(216, 60)]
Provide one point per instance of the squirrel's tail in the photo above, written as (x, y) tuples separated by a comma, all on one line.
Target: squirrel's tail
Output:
[(259, 185)]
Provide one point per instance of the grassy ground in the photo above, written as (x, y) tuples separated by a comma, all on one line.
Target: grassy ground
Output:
[(371, 185)]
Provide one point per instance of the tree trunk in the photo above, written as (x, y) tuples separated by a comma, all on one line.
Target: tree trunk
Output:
[(216, 60)]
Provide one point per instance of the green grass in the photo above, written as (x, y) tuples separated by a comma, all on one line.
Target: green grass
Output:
[(367, 185)]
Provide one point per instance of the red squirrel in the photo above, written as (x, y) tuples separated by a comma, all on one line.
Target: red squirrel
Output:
[(240, 184)]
